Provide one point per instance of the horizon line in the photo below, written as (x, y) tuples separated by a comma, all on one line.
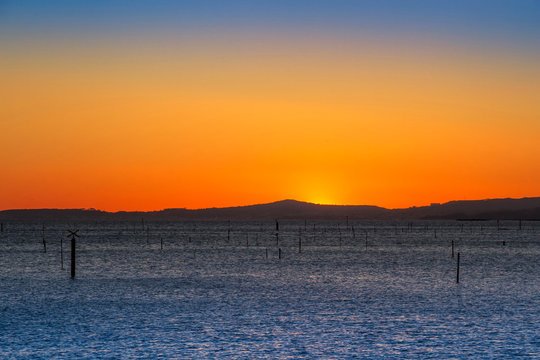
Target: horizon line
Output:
[(274, 202)]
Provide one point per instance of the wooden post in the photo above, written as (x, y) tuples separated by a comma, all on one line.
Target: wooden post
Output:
[(147, 235), (267, 253), (161, 240), (247, 240), (73, 257), (277, 225), (229, 235), (452, 249), (43, 239), (435, 231), (457, 269), (279, 253), (2, 227), (62, 253), (366, 240), (277, 239)]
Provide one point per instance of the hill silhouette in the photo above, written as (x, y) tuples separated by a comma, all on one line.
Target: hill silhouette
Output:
[(524, 208)]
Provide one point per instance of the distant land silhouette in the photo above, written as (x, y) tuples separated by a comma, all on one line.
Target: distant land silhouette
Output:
[(524, 208)]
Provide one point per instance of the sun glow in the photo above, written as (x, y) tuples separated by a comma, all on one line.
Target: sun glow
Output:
[(205, 125)]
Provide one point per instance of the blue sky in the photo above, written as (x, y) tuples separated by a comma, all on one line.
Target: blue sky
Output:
[(515, 21)]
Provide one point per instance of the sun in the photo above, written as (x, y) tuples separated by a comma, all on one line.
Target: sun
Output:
[(321, 192), (322, 199), (319, 187)]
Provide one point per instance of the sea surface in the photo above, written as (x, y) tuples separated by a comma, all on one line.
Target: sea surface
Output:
[(197, 290)]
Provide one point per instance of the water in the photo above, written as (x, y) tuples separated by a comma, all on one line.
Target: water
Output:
[(214, 294)]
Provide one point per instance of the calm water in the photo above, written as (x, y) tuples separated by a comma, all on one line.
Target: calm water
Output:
[(211, 293)]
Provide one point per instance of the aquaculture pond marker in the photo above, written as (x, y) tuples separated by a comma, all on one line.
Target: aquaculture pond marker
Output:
[(61, 253), (73, 235), (43, 239), (457, 269), (366, 239)]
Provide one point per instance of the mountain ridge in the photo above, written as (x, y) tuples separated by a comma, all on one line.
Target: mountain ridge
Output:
[(500, 208)]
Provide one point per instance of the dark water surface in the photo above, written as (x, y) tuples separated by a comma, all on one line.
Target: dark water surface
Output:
[(211, 293)]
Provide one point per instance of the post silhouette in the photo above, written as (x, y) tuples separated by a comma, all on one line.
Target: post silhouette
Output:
[(61, 253), (279, 253), (43, 239), (366, 239), (457, 269), (73, 235), (161, 243)]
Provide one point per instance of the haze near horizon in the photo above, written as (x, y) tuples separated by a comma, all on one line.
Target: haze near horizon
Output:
[(146, 105)]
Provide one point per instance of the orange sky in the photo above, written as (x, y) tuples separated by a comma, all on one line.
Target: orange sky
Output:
[(126, 124)]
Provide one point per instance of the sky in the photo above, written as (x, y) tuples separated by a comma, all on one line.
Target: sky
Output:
[(145, 105)]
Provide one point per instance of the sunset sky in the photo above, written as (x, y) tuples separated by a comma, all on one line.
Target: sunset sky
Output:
[(145, 105)]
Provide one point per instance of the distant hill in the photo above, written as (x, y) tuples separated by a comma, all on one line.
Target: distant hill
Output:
[(525, 208)]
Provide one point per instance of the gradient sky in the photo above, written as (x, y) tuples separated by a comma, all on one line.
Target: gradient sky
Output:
[(144, 105)]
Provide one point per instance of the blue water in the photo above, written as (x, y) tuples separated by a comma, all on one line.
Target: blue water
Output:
[(210, 295)]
